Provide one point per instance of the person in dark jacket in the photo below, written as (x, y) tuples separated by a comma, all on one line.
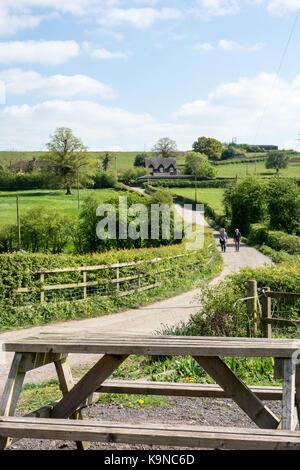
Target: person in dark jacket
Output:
[(237, 239), (223, 239)]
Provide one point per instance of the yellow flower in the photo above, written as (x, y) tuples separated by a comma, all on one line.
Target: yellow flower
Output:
[(141, 402)]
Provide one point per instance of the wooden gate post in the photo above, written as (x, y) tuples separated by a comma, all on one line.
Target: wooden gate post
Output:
[(84, 281), (252, 303), (42, 280), (266, 314)]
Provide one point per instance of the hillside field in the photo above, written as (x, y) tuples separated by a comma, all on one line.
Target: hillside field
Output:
[(66, 205), (211, 196)]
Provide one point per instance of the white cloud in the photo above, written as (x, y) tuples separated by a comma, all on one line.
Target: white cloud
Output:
[(10, 23), (231, 109), (99, 126), (42, 52), (210, 8), (236, 109), (20, 82), (203, 47), (280, 7), (228, 45), (2, 92), (138, 17), (96, 52)]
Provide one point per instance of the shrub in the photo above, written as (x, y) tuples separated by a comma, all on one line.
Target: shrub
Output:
[(105, 180), (12, 182), (85, 236), (222, 315), (140, 159), (8, 238), (258, 234), (44, 230), (283, 203), (245, 203)]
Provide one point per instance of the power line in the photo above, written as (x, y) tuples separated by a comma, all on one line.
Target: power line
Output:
[(278, 72)]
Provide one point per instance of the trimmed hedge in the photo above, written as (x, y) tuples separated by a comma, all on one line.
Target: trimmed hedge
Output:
[(20, 182), (277, 240), (222, 315), (215, 183), (24, 309)]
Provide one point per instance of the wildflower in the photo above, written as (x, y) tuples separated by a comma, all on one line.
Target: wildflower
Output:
[(141, 402)]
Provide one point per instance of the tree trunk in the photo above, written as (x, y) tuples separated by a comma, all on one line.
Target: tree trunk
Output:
[(69, 191)]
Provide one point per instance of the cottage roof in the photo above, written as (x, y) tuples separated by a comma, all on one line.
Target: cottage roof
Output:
[(166, 162)]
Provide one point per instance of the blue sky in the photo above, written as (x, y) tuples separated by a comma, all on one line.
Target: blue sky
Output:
[(124, 73)]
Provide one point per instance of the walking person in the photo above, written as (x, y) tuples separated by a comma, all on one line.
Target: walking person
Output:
[(223, 239), (237, 239)]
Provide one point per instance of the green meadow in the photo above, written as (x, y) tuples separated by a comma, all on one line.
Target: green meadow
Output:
[(211, 196), (67, 205), (242, 170)]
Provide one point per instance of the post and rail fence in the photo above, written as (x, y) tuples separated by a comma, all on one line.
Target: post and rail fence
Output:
[(262, 311), (117, 280)]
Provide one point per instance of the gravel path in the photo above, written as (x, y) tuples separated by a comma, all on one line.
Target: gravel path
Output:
[(141, 320)]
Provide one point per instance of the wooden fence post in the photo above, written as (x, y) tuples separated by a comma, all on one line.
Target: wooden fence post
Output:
[(84, 280), (117, 283), (252, 303), (266, 314), (42, 279)]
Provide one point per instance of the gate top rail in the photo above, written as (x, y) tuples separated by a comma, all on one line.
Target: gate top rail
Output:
[(109, 266), (282, 295)]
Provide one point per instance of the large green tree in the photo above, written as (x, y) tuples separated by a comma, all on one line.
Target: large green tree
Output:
[(277, 159), (209, 146), (283, 201), (197, 164), (67, 154), (245, 203)]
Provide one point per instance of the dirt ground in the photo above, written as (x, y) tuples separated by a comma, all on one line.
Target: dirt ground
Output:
[(198, 411)]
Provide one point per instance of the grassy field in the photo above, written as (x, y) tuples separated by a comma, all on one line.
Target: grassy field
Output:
[(211, 196), (242, 169), (120, 160), (45, 198)]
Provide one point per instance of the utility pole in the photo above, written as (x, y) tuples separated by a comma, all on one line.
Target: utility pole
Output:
[(195, 188), (78, 191), (19, 224)]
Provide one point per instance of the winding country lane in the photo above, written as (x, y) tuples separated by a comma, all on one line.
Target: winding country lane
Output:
[(141, 320)]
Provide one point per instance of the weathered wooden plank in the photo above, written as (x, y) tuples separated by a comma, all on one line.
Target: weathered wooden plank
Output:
[(66, 383), (153, 434), (87, 385), (281, 321), (110, 266), (283, 295), (11, 393), (241, 394), (182, 389), (288, 394), (266, 314), (108, 345), (298, 391)]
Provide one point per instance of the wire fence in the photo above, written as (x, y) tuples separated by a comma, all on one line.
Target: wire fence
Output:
[(120, 279)]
